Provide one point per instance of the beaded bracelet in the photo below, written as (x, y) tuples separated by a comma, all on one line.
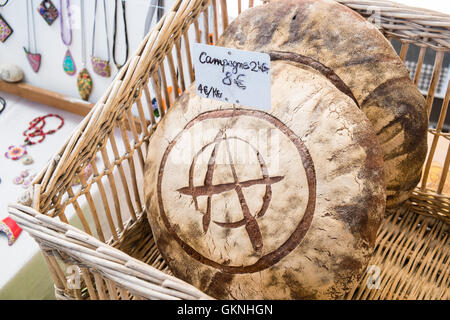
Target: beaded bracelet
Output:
[(35, 129), (38, 125)]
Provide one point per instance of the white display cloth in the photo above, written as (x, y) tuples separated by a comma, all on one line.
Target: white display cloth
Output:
[(13, 121)]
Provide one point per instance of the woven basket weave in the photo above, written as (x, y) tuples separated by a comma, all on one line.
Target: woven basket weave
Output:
[(115, 256)]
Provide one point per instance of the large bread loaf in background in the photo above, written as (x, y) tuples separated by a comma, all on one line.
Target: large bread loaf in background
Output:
[(359, 54), (286, 204)]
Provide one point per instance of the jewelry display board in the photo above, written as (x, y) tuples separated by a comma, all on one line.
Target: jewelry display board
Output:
[(40, 29)]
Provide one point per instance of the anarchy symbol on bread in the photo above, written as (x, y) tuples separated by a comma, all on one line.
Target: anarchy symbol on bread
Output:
[(208, 189), (285, 204)]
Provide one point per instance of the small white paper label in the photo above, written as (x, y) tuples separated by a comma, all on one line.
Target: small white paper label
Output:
[(231, 75)]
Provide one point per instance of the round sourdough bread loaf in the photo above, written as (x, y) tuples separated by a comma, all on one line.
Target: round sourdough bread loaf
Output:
[(360, 55), (286, 204)]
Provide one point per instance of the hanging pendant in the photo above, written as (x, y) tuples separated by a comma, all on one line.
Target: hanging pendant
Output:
[(34, 59), (48, 11), (84, 82), (69, 64), (101, 67), (5, 29)]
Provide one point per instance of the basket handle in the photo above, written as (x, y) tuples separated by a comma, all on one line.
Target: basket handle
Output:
[(86, 251)]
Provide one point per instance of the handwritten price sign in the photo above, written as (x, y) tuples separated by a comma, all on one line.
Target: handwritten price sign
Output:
[(235, 76)]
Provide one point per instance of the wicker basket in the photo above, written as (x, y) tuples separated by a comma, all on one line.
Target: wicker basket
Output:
[(115, 256)]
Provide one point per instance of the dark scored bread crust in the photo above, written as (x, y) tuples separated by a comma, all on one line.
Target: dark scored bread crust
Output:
[(358, 54)]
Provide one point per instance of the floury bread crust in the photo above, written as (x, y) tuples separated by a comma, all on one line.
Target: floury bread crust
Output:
[(358, 53), (286, 204)]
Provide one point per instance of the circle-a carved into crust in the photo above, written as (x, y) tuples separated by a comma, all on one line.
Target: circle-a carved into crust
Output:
[(302, 214), (235, 210)]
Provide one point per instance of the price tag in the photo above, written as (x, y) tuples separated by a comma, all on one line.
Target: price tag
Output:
[(231, 75)]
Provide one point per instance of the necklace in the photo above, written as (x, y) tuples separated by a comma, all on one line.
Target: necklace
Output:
[(68, 62), (37, 125), (35, 129), (84, 80), (154, 4), (33, 58), (5, 29), (115, 33), (101, 67), (48, 11), (148, 22)]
